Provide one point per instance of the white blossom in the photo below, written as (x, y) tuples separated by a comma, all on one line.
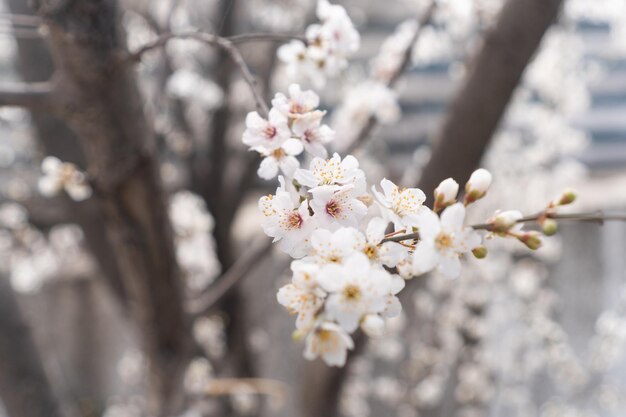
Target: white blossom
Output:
[(446, 192), (333, 171), (402, 207), (58, 175), (303, 295), (313, 134), (265, 134), (336, 206), (356, 288), (330, 342), (282, 158), (287, 221), (298, 104), (442, 241)]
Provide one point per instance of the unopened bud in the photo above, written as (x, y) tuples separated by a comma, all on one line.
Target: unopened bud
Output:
[(445, 193), (532, 240), (567, 197), (505, 220), (549, 227), (477, 186), (479, 252), (373, 325), (297, 335)]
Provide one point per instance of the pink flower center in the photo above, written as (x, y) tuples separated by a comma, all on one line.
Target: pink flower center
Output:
[(295, 220), (333, 208), (270, 132)]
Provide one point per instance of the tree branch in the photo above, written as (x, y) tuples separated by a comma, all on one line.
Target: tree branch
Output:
[(372, 122), (223, 43), (33, 96)]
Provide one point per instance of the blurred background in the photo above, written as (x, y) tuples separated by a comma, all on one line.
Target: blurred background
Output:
[(533, 90)]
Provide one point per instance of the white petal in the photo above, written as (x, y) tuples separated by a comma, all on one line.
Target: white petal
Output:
[(289, 165), (425, 257), (51, 165), (293, 147), (49, 186), (428, 224), (453, 217), (376, 230), (268, 168)]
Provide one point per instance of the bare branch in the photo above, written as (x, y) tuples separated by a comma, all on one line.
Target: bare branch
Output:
[(34, 96), (265, 37), (372, 122), (240, 269), (213, 40)]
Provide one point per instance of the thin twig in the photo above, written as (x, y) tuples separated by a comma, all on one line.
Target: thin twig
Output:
[(226, 44), (595, 217), (265, 37), (231, 277), (35, 96), (372, 122), (21, 19)]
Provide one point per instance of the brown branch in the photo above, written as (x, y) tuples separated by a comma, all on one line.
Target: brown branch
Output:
[(234, 275), (372, 122), (597, 217), (265, 37), (223, 43), (35, 96)]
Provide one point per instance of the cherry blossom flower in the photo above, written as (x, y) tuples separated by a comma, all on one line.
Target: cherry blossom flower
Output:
[(355, 288), (336, 206), (402, 207), (388, 253), (303, 295), (287, 221), (313, 134), (333, 171), (337, 246), (266, 134), (283, 158), (298, 104), (330, 342), (58, 175), (442, 241)]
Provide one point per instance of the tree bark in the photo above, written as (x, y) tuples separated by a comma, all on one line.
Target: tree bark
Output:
[(24, 388), (100, 101), (35, 65), (479, 104)]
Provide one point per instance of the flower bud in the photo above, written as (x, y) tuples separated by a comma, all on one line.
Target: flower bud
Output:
[(445, 193), (479, 252), (568, 197), (549, 227), (532, 240), (297, 335), (477, 186), (503, 221), (373, 325)]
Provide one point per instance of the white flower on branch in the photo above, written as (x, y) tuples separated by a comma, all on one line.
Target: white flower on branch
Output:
[(313, 134), (402, 207), (442, 241), (266, 135), (58, 175), (336, 206), (329, 45), (330, 342), (287, 221), (298, 104), (283, 158), (302, 296), (333, 171)]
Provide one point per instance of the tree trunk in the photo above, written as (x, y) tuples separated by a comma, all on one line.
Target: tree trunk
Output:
[(100, 101), (24, 388), (481, 101)]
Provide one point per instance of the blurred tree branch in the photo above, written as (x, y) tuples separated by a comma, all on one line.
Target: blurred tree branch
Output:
[(33, 96)]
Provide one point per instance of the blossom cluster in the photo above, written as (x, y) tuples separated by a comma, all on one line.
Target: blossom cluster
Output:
[(328, 46), (58, 175), (354, 246), (294, 124)]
